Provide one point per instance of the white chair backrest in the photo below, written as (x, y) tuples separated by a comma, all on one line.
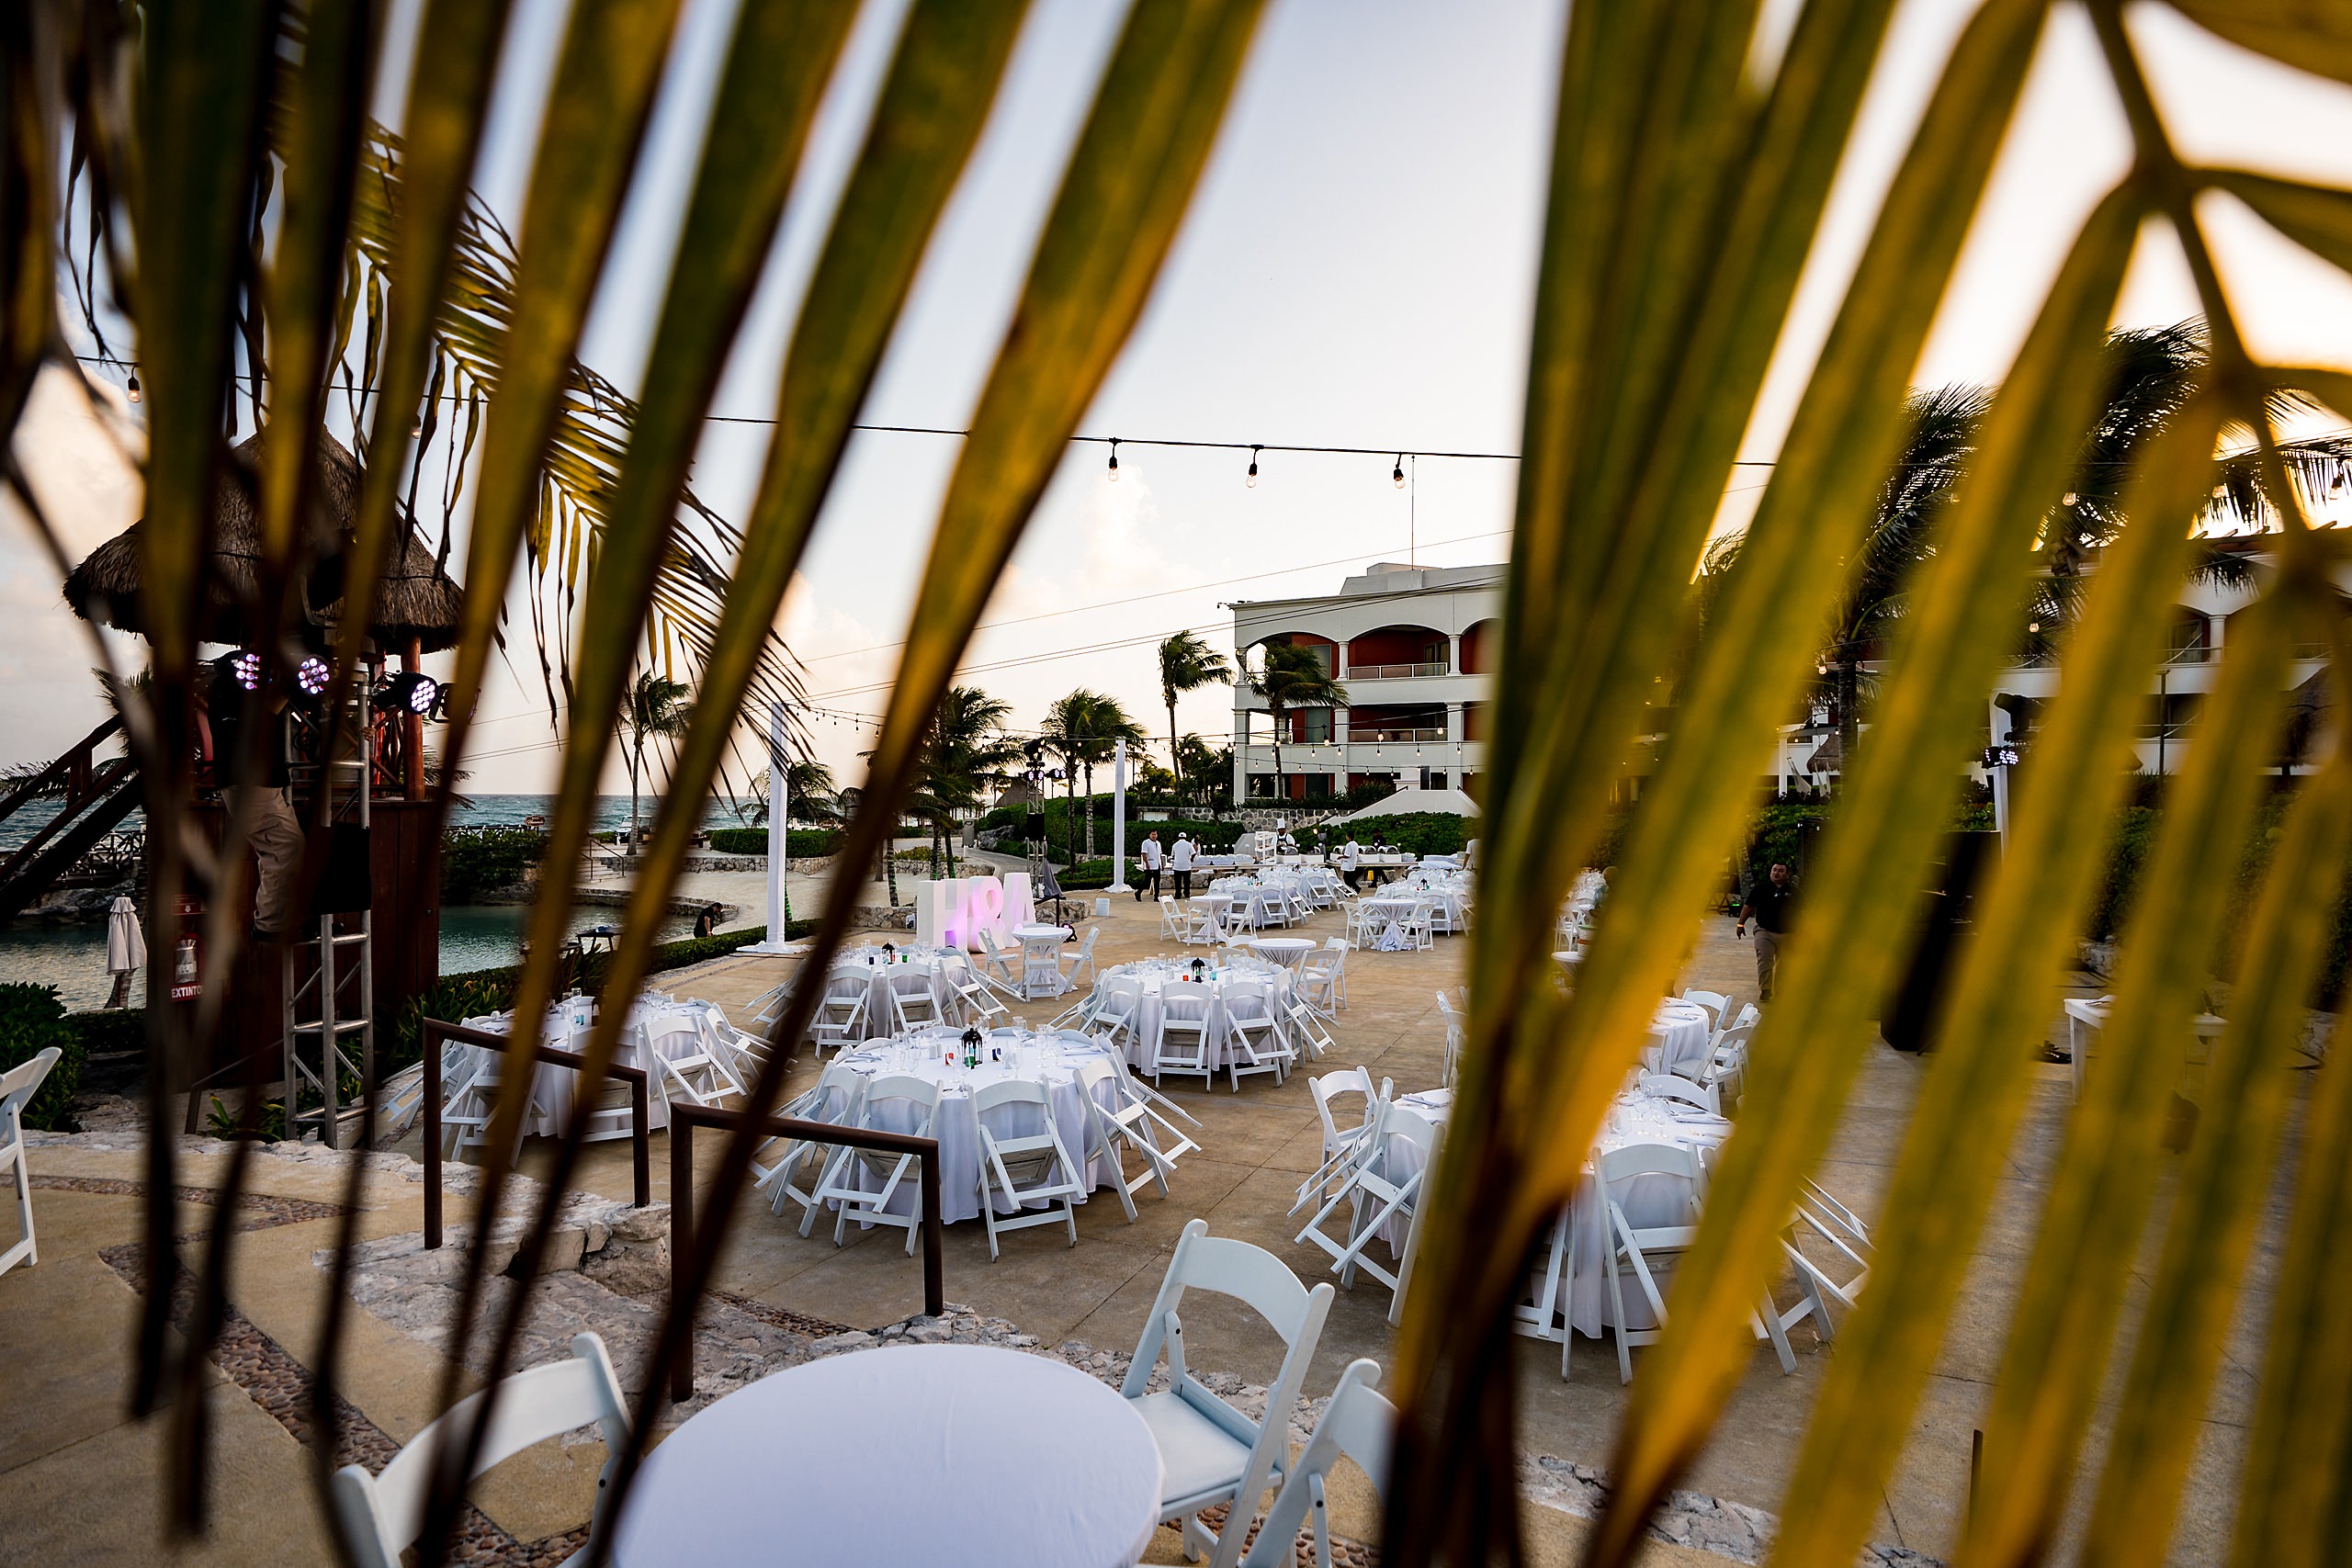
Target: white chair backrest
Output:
[(1667, 1085), (1736, 1039), (848, 980), (1713, 1002), (1248, 1274), (383, 1514), (1749, 1013), (1399, 1120), (1651, 1159), (21, 1082), (922, 1092), (1010, 1091), (1086, 948), (1330, 1087), (1359, 1423)]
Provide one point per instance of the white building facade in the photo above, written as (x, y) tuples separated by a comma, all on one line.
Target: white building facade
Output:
[(1416, 649)]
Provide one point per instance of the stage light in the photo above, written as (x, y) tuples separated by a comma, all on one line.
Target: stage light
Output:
[(408, 692), (311, 675), (246, 665)]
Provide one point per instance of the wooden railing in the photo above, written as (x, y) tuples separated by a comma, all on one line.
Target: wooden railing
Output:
[(684, 1119), (436, 1031)]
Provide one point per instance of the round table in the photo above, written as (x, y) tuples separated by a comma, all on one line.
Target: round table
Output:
[(1041, 962), (1684, 1033), (943, 970), (659, 1026), (1289, 951), (1150, 980), (921, 1453)]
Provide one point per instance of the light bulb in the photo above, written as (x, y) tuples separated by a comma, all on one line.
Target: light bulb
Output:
[(1251, 480), (1114, 462), (2069, 501), (416, 427), (132, 390), (1397, 473)]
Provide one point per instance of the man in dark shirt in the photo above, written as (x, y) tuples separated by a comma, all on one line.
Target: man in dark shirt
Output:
[(1770, 906), (251, 772)]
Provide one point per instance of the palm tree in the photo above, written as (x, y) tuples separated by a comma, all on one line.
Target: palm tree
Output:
[(1291, 676), (1082, 728), (966, 750), (1186, 664), (655, 708)]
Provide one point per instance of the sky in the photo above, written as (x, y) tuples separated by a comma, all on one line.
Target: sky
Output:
[(1357, 270)]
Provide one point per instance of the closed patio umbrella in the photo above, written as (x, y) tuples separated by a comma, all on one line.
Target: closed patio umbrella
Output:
[(126, 948)]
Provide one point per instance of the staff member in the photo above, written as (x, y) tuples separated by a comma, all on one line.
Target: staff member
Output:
[(1179, 861), (1149, 849), (1770, 906), (253, 787), (1351, 854)]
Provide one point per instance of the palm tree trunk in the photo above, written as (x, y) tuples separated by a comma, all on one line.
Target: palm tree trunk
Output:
[(890, 861), (636, 761), (1849, 719), (1089, 810), (1277, 715), (934, 851), (1175, 757)]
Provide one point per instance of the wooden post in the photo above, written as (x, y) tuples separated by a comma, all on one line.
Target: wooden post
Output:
[(412, 730)]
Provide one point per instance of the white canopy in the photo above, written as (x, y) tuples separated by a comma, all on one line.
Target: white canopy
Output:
[(1404, 801)]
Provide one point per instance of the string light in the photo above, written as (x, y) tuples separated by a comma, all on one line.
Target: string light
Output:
[(1251, 480), (1397, 474), (1115, 460), (132, 390)]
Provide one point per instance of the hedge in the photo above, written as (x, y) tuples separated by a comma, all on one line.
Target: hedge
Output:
[(32, 1020), (799, 843), (476, 858), (454, 998)]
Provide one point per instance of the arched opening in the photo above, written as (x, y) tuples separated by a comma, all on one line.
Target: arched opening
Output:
[(2189, 638), (1388, 653), (1326, 651), (1480, 648)]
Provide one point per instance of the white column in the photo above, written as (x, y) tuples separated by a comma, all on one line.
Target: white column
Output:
[(2000, 727), (1119, 821), (779, 834)]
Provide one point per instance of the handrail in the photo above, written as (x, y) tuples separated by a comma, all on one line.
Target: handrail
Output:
[(89, 786), (39, 784), (436, 1031), (1395, 672), (684, 1119)]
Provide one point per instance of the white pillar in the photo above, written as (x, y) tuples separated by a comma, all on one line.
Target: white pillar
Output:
[(1119, 821), (2001, 722), (779, 834)]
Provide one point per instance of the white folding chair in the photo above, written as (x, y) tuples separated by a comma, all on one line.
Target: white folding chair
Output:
[(1640, 1249), (913, 1004), (1116, 1002), (1254, 1034), (1308, 1037), (1342, 1147), (1714, 1002), (18, 1086), (1725, 1070), (466, 1116), (383, 1514), (1133, 1088), (1023, 1167), (841, 1184), (1831, 1226), (744, 1051), (1323, 977), (1082, 959), (1209, 1451), (977, 1001), (1173, 922), (770, 1004), (839, 1019), (1416, 928), (1452, 1037), (835, 1098), (1358, 1424), (1669, 1086), (695, 1073), (1385, 1185), (997, 967), (1202, 927), (1180, 1044)]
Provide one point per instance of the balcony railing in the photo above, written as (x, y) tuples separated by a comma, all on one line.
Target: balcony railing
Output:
[(1357, 733), (1393, 671)]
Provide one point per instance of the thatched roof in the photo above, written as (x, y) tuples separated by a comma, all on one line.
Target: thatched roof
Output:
[(415, 598)]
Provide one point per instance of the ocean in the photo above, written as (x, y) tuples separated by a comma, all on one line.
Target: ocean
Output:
[(72, 958)]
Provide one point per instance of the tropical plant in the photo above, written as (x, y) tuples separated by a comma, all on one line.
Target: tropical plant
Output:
[(966, 750), (1202, 762), (1082, 728), (810, 787), (1187, 664), (1290, 675), (655, 709)]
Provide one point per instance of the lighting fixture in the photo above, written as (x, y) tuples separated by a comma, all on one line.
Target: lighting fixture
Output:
[(310, 675), (2069, 499), (246, 665), (132, 390), (410, 692), (416, 427), (1115, 460), (1251, 479), (1397, 474)]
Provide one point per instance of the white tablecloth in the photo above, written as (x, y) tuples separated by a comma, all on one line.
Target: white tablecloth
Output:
[(1385, 910), (1049, 1060), (1647, 1200), (1683, 1033), (1151, 980), (958, 1454), (658, 1026), (943, 969)]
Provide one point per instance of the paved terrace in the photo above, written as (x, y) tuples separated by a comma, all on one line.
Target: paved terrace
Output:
[(79, 1482)]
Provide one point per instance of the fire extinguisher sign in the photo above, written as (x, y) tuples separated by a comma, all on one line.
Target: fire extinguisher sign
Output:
[(188, 953)]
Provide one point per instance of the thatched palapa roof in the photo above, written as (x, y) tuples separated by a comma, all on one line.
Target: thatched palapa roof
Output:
[(414, 598)]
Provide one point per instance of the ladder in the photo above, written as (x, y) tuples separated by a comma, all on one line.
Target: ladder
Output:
[(330, 1013)]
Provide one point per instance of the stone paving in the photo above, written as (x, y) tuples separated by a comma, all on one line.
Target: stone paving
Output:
[(82, 1487)]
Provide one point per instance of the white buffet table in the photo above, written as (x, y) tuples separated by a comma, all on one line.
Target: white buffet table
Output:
[(959, 1454)]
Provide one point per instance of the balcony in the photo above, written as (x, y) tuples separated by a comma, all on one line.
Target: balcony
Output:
[(1394, 671), (1358, 734)]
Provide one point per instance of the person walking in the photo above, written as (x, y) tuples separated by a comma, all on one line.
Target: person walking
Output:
[(1179, 861), (1770, 906), (1150, 850), (1351, 855)]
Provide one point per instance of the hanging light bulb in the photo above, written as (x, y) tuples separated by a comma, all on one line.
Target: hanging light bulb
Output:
[(1397, 474), (1115, 460), (1251, 480), (132, 390), (416, 427), (2069, 499)]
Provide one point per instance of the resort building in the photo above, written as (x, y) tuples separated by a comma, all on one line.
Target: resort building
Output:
[(1415, 647)]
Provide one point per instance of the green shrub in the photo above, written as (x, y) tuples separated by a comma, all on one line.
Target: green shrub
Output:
[(123, 1029), (799, 843), (2126, 862), (476, 858), (32, 1020), (1086, 875)]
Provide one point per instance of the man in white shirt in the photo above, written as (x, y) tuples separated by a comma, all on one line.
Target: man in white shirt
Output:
[(1179, 861), (1349, 853), (1149, 849)]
